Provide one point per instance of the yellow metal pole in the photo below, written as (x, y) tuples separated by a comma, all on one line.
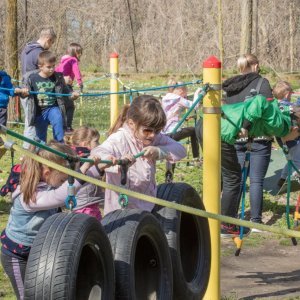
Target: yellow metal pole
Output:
[(211, 167), (114, 87)]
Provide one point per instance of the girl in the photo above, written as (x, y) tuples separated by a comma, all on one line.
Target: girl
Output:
[(69, 66), (84, 139), (41, 192), (145, 119)]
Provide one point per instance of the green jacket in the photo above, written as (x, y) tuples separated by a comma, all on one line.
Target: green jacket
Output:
[(265, 116)]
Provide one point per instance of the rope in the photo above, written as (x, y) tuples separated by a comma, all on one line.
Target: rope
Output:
[(107, 93), (154, 200)]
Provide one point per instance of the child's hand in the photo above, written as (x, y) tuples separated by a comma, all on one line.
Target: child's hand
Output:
[(154, 153), (24, 92), (101, 166), (196, 94), (75, 95), (292, 135), (243, 133), (87, 165), (131, 159), (68, 80)]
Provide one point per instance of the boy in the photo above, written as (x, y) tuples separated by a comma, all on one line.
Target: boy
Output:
[(47, 109), (283, 91)]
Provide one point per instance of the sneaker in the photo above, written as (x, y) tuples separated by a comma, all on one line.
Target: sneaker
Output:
[(280, 182), (69, 130), (169, 177), (255, 230), (232, 230)]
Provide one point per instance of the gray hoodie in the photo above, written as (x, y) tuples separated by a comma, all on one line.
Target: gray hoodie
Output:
[(29, 57)]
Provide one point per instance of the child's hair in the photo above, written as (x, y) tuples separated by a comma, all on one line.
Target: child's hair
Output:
[(146, 110), (120, 120), (31, 170), (246, 61), (74, 49), (281, 88), (176, 90), (48, 32), (172, 81), (84, 134), (46, 57)]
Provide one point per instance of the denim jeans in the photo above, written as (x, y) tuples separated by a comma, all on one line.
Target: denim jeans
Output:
[(259, 161), (231, 180), (295, 156), (29, 131), (53, 116)]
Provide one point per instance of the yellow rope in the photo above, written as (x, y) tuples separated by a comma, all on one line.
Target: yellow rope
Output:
[(180, 207)]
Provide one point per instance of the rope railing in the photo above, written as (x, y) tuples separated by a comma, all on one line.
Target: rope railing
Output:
[(154, 200)]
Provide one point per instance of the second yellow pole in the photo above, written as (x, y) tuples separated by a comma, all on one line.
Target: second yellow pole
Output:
[(212, 167), (114, 87)]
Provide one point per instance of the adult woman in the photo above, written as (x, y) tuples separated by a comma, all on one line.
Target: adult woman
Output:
[(237, 89)]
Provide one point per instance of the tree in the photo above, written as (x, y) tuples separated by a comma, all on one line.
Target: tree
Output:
[(246, 29)]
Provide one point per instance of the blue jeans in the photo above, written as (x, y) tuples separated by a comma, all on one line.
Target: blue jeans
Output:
[(52, 116), (259, 161), (295, 156)]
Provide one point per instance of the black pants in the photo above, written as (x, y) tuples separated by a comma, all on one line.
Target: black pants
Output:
[(187, 132), (70, 108), (14, 267), (231, 175), (3, 116)]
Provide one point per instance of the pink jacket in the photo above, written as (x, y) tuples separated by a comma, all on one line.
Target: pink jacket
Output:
[(69, 67), (141, 175), (173, 105)]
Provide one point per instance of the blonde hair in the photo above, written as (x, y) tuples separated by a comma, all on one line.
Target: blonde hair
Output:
[(84, 134), (245, 62), (281, 88), (31, 170), (48, 32)]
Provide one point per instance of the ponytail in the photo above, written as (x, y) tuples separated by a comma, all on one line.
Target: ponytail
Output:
[(120, 120)]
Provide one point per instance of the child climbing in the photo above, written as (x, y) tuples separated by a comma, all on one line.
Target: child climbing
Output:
[(89, 196), (139, 132), (41, 192), (69, 66), (173, 103)]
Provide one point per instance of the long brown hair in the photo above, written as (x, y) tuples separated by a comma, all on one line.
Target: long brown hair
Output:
[(31, 170), (120, 120)]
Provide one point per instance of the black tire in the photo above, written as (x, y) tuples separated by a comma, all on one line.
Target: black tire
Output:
[(71, 258), (143, 265), (188, 238)]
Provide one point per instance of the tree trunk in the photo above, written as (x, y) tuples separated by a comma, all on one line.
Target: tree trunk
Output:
[(292, 33), (11, 49), (220, 23), (246, 30)]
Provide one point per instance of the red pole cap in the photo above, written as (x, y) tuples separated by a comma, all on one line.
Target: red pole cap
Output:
[(114, 55), (212, 62)]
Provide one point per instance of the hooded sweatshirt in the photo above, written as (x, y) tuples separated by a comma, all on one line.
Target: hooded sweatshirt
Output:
[(5, 82), (69, 67), (29, 57)]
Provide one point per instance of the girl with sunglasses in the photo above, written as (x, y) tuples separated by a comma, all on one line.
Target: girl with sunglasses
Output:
[(138, 131)]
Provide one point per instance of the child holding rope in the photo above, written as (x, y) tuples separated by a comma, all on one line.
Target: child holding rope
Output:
[(139, 132), (47, 109), (69, 66), (173, 103), (89, 196), (41, 192)]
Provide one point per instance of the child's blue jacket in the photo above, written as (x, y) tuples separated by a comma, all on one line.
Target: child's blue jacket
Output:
[(5, 82)]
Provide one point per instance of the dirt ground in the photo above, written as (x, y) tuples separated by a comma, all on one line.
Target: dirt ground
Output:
[(268, 270)]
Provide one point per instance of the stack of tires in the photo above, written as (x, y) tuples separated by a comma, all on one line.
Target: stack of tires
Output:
[(133, 255)]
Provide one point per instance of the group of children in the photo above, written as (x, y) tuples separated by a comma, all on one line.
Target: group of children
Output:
[(147, 126)]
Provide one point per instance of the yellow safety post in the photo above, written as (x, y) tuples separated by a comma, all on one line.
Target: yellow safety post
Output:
[(114, 87), (212, 166)]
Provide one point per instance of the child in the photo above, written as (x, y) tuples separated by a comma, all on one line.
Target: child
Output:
[(5, 82), (140, 132), (41, 191), (283, 91), (84, 139), (69, 66), (173, 103), (47, 109)]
